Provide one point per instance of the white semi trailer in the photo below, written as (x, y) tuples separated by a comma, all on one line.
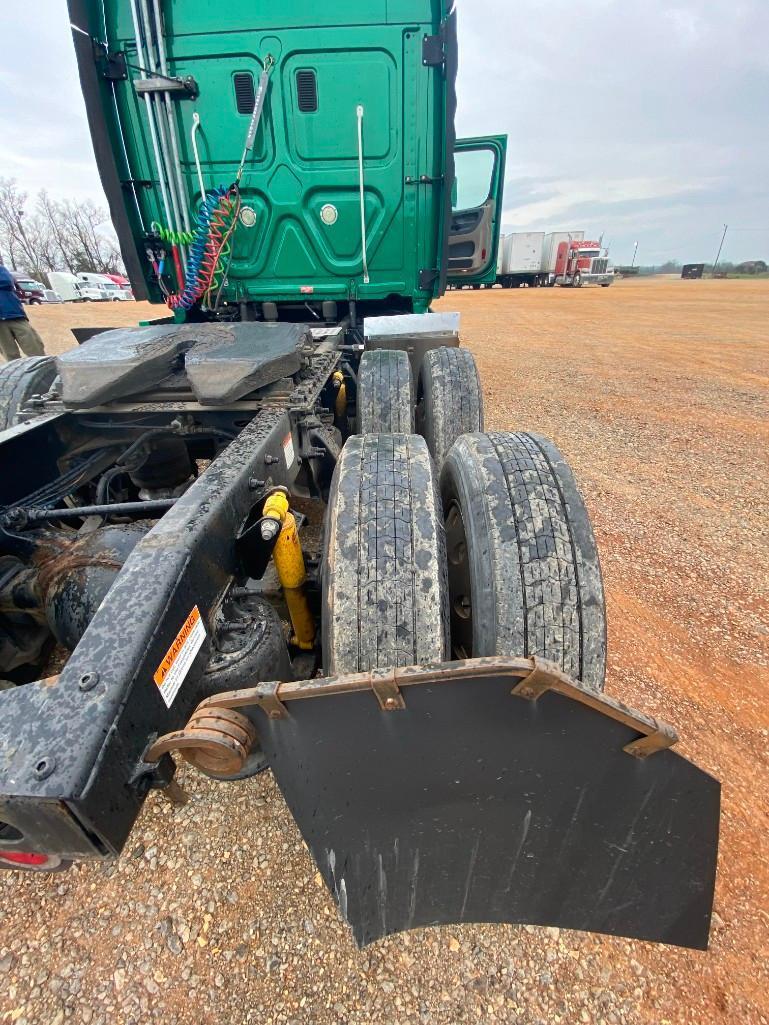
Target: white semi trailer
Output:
[(520, 257), (552, 241), (529, 257)]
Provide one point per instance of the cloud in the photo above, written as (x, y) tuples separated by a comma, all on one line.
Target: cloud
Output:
[(554, 200), (44, 138), (642, 120)]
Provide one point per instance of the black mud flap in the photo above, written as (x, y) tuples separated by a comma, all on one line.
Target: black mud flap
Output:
[(469, 803)]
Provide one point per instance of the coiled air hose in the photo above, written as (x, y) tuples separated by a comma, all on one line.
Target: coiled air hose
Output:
[(174, 238), (208, 245)]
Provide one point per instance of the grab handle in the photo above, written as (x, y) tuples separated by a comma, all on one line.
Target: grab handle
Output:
[(366, 278)]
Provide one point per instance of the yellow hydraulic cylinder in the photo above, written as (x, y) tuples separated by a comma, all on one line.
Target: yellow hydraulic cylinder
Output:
[(289, 562), (340, 406)]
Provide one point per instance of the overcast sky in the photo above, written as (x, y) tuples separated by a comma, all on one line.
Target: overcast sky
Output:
[(643, 120)]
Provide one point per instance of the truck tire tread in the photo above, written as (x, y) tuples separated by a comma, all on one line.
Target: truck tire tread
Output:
[(385, 594), (19, 380), (537, 587), (385, 403), (451, 401)]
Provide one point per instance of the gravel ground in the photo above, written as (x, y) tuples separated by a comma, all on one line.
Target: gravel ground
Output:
[(658, 393)]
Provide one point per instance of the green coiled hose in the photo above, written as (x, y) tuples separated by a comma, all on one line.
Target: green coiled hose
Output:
[(174, 238)]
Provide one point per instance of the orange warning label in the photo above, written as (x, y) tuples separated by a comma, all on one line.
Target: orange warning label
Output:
[(171, 672)]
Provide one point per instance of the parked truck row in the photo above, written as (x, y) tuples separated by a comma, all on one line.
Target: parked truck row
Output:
[(538, 258), (66, 287), (85, 287)]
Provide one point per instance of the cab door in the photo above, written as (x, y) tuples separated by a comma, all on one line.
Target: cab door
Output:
[(476, 219)]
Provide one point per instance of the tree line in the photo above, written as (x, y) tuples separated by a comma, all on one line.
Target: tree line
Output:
[(44, 234), (747, 268), (727, 266)]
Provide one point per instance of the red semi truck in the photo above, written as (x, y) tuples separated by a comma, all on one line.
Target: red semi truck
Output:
[(559, 257), (580, 262)]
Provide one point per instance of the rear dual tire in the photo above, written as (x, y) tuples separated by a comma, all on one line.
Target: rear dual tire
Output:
[(521, 575), (449, 398), (524, 575), (450, 401), (385, 597), (385, 401), (504, 558)]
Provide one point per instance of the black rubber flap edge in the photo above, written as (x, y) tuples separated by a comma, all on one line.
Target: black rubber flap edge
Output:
[(473, 805)]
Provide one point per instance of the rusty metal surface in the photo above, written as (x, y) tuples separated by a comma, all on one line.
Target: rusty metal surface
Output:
[(387, 691), (263, 696), (655, 734), (216, 741), (536, 676)]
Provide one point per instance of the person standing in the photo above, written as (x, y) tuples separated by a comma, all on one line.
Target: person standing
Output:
[(16, 332)]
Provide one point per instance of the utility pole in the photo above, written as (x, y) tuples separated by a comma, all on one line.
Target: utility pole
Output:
[(635, 250), (721, 246)]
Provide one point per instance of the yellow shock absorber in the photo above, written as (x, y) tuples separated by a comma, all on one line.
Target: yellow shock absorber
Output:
[(340, 407), (289, 562)]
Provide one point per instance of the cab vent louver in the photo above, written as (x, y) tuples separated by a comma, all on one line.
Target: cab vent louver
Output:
[(307, 91), (245, 97)]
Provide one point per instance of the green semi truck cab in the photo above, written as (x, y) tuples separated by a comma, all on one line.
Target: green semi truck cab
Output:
[(345, 174)]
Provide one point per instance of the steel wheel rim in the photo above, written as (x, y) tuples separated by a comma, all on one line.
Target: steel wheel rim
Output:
[(460, 583)]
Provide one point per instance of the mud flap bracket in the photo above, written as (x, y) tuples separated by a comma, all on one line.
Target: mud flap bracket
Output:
[(264, 696), (545, 676), (385, 686)]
